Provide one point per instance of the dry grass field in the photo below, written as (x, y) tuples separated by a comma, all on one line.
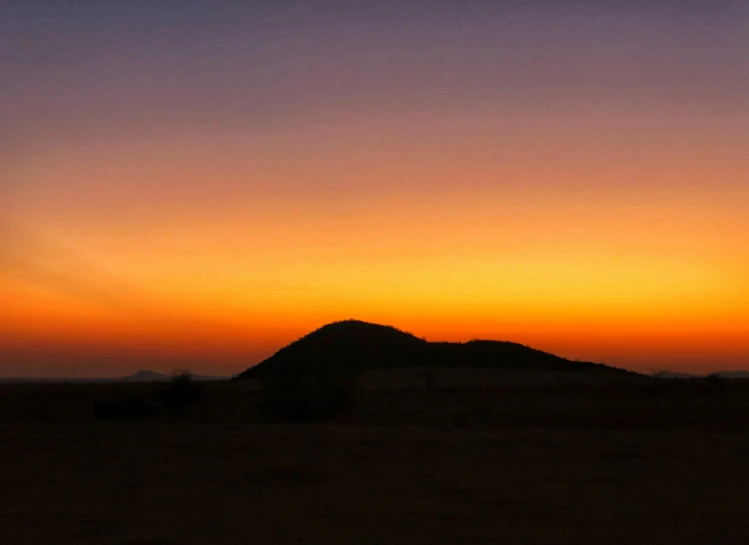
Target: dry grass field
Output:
[(442, 467)]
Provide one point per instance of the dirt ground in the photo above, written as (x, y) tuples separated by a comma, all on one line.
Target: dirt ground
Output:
[(171, 482)]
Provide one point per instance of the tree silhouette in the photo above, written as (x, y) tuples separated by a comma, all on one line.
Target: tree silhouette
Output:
[(181, 392)]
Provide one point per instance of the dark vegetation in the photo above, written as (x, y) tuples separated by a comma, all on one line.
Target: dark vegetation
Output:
[(175, 396), (181, 393), (704, 403), (317, 379)]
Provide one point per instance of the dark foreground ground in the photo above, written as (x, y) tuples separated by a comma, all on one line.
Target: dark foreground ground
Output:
[(441, 467)]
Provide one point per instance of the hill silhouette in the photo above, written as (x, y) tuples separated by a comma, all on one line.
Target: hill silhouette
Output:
[(345, 349), (144, 375)]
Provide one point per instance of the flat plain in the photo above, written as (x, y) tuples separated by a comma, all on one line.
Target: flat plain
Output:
[(589, 466)]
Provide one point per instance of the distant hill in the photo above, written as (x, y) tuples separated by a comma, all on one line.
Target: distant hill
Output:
[(153, 376), (145, 376), (735, 375), (348, 348), (139, 376), (673, 374)]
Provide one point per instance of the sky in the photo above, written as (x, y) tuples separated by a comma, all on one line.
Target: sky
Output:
[(196, 184)]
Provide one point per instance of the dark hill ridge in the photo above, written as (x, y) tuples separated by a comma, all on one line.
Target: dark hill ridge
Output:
[(348, 348)]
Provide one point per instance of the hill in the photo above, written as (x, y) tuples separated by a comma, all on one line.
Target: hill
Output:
[(736, 375), (732, 375), (345, 349), (146, 376), (137, 377), (673, 374)]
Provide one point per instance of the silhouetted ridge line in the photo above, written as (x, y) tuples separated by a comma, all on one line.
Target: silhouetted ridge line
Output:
[(347, 348)]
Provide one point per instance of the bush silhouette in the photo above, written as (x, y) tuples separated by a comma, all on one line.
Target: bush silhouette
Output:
[(181, 393)]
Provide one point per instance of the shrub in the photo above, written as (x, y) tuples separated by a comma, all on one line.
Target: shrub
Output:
[(181, 393)]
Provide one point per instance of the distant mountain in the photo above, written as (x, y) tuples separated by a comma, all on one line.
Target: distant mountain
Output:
[(152, 376), (733, 374), (736, 375), (145, 376), (348, 348), (673, 374), (139, 376)]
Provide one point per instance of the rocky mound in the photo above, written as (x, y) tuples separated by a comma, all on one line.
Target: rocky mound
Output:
[(342, 350)]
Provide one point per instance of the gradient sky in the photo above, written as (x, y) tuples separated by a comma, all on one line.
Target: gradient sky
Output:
[(195, 184)]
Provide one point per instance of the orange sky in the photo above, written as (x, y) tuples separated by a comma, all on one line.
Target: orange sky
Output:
[(581, 194)]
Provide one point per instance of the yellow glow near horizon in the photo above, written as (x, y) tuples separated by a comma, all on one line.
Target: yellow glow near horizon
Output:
[(579, 184), (601, 268)]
